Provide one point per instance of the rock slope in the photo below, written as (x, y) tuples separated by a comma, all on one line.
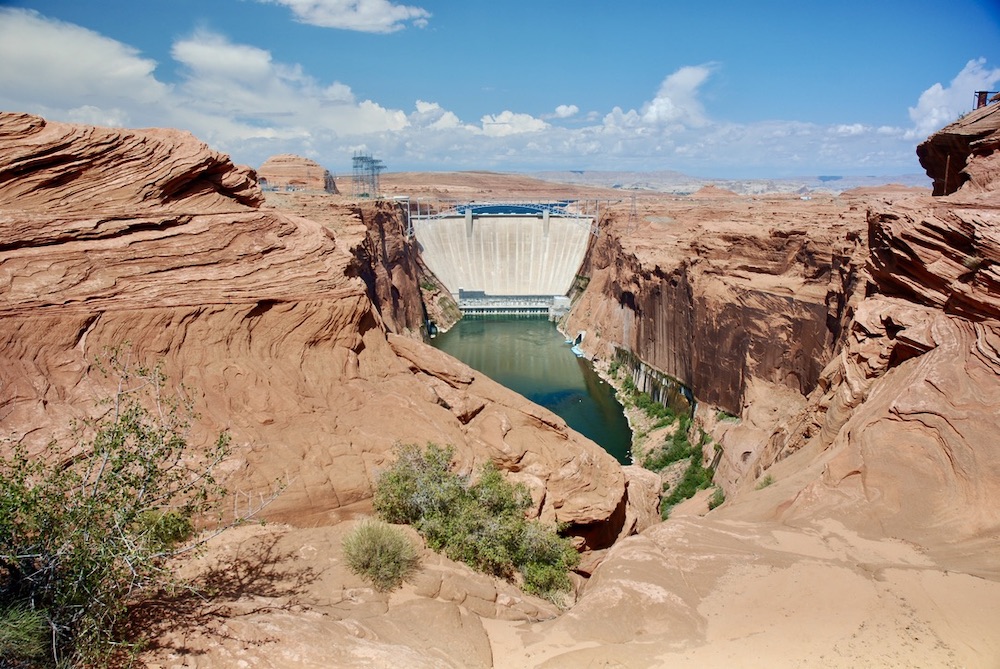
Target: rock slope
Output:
[(964, 153), (874, 545), (115, 236)]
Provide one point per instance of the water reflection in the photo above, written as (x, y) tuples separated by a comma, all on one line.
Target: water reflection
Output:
[(529, 356)]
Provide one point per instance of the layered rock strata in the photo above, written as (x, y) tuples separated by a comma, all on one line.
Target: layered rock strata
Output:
[(288, 172), (150, 238), (902, 427), (724, 291), (964, 154)]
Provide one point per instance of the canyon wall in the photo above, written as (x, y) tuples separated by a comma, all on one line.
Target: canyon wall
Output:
[(964, 153), (725, 293), (280, 327)]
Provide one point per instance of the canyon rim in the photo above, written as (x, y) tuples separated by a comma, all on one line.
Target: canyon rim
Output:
[(844, 347)]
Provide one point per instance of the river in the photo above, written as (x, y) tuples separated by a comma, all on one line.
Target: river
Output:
[(531, 357)]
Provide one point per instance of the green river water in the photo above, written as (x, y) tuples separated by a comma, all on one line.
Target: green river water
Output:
[(531, 357)]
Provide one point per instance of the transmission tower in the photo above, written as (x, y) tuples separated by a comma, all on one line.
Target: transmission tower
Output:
[(366, 171), (633, 218)]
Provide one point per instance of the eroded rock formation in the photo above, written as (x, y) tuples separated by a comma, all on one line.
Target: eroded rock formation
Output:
[(866, 383), (288, 172), (964, 154), (114, 236), (724, 291)]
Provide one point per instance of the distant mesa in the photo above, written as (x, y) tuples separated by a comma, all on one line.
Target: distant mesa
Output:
[(713, 191), (289, 172)]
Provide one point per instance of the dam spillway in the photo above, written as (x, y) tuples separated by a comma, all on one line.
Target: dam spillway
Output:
[(502, 258)]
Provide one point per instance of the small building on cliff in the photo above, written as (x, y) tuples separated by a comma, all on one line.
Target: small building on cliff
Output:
[(291, 172)]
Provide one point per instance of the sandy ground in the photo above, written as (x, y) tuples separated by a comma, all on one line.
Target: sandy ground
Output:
[(778, 597)]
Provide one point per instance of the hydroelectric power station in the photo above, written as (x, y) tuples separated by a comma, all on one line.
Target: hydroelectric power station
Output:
[(506, 258)]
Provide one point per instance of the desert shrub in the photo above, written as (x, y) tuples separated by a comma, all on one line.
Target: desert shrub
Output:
[(696, 477), (418, 486), (380, 553), (481, 523), (546, 559), (718, 498), (663, 415), (83, 537), (23, 635), (677, 448), (660, 414), (764, 482), (485, 525), (973, 262)]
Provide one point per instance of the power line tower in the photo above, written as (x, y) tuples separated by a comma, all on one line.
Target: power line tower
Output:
[(366, 171), (633, 218)]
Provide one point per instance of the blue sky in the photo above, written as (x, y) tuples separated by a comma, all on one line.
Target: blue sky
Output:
[(769, 88)]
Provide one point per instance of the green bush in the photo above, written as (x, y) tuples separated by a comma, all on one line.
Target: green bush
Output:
[(660, 414), (696, 477), (676, 449), (718, 498), (23, 634), (82, 538), (765, 482), (380, 553), (480, 523), (418, 486)]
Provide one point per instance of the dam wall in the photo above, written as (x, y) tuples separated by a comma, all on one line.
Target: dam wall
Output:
[(504, 254)]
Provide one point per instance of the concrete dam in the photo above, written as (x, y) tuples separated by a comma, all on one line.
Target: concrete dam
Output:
[(505, 258)]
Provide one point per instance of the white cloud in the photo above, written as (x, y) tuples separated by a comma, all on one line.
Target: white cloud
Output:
[(434, 116), (90, 115), (565, 111), (241, 100), (372, 16), (271, 95), (509, 123), (59, 65), (214, 57), (677, 100), (938, 106), (849, 130)]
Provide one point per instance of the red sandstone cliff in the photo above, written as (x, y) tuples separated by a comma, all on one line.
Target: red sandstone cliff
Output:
[(874, 546), (721, 292), (964, 154), (113, 236), (289, 172)]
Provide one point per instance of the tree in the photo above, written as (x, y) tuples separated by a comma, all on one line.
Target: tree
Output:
[(84, 535)]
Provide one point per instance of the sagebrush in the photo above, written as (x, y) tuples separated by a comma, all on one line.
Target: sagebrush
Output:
[(481, 522), (380, 553)]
